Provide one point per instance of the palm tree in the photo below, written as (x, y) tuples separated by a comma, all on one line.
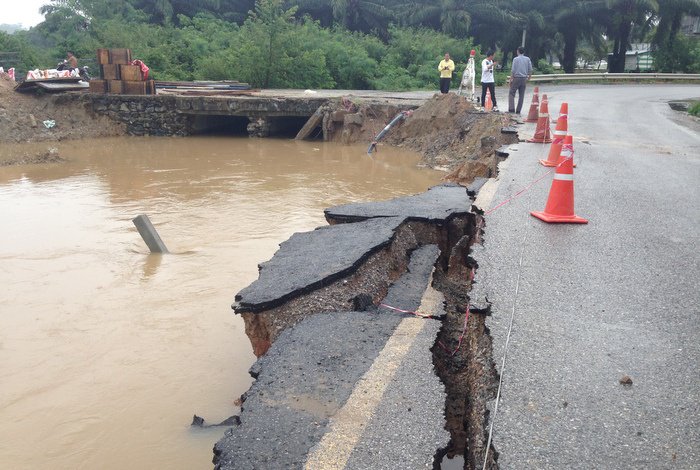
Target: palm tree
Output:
[(670, 15), (494, 22), (362, 15), (576, 20), (320, 10), (452, 17), (459, 17), (625, 14)]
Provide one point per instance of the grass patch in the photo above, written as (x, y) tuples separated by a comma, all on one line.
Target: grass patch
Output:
[(694, 109)]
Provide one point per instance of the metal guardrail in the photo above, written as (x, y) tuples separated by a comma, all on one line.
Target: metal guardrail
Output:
[(556, 77)]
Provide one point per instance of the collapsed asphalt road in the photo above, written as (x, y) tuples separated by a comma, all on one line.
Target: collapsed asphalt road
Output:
[(595, 338), (341, 388)]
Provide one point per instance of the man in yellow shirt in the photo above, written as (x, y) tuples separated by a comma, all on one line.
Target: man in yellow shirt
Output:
[(445, 68)]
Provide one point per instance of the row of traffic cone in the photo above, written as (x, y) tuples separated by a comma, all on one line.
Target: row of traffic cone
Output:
[(560, 202)]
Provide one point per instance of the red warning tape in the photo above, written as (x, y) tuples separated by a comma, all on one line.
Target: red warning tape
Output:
[(418, 314), (423, 315), (569, 147), (461, 336), (471, 276)]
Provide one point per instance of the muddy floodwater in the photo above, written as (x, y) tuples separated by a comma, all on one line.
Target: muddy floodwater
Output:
[(106, 351)]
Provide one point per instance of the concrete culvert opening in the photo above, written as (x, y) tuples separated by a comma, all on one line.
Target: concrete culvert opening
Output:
[(219, 125), (289, 126)]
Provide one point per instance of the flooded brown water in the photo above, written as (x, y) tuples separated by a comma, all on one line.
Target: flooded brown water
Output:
[(106, 351)]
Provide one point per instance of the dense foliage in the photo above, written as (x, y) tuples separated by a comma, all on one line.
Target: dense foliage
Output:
[(353, 44), (694, 109)]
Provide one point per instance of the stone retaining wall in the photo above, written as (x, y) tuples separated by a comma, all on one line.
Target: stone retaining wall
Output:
[(144, 115)]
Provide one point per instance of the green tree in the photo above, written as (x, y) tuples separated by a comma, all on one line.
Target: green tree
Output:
[(361, 15), (452, 17), (624, 15), (674, 54), (575, 20), (268, 23)]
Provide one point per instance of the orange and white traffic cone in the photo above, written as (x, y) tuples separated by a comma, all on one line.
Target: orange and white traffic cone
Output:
[(560, 203), (544, 98), (488, 104), (533, 114), (563, 109), (542, 133), (567, 151), (560, 131)]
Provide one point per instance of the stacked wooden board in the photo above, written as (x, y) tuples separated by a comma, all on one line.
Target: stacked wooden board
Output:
[(203, 88), (118, 76)]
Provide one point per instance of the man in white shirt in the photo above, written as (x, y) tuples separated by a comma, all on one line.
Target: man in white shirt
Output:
[(487, 80)]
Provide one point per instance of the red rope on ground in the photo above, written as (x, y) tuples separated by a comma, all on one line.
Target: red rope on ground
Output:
[(418, 314), (461, 336), (519, 193), (471, 276)]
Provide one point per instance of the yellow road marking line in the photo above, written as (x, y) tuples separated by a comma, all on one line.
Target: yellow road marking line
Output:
[(347, 426)]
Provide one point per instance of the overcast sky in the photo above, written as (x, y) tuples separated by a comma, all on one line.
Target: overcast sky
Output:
[(24, 12)]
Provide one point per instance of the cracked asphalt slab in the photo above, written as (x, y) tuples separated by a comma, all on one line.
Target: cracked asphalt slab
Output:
[(593, 304), (434, 205), (297, 266), (310, 374)]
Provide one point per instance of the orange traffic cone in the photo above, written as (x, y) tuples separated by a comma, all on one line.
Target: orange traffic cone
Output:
[(488, 104), (567, 151), (564, 109), (532, 115), (542, 133), (544, 98), (559, 133), (560, 204)]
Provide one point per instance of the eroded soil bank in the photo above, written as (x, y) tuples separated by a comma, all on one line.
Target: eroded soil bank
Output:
[(447, 130)]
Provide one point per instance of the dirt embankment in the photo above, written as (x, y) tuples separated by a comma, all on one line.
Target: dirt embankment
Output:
[(450, 133), (22, 117)]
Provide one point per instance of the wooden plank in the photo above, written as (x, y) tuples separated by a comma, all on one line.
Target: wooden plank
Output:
[(103, 56), (310, 125), (151, 85), (115, 87), (98, 86), (109, 72), (120, 56), (63, 86), (225, 84), (131, 87), (204, 92), (130, 72), (33, 83)]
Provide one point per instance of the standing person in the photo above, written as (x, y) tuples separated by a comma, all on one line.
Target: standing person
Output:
[(487, 80), (445, 68), (520, 73)]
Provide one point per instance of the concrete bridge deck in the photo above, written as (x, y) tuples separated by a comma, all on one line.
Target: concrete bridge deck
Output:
[(259, 113)]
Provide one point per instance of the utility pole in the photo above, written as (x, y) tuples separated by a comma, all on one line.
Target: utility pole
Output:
[(522, 44)]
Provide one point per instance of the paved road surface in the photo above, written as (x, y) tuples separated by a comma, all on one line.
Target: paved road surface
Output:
[(581, 306)]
